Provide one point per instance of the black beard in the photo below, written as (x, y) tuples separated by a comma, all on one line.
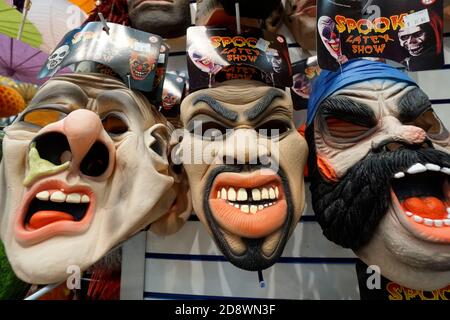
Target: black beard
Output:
[(167, 22), (350, 210), (253, 259)]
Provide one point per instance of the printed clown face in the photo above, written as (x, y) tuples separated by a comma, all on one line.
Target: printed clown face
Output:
[(379, 167), (203, 61), (330, 38), (141, 65), (84, 168), (168, 100), (244, 160), (413, 39), (302, 85)]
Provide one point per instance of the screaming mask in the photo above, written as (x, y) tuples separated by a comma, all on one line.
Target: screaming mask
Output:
[(379, 167), (84, 167), (244, 161)]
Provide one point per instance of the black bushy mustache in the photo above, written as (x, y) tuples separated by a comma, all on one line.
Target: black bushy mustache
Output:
[(350, 210)]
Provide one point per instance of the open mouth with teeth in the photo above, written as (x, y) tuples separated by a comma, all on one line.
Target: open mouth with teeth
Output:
[(336, 46), (52, 208), (416, 50), (421, 198), (250, 205), (139, 75)]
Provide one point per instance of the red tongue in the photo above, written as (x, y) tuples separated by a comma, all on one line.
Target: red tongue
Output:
[(426, 207), (42, 218)]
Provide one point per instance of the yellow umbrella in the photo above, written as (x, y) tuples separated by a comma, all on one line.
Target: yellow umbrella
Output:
[(26, 90), (8, 81)]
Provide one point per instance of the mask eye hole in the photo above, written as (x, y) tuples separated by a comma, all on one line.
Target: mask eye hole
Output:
[(343, 129), (114, 124), (208, 130), (42, 117), (273, 128), (431, 124)]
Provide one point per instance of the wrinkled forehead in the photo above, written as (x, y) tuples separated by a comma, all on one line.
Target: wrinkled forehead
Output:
[(81, 93), (381, 94), (236, 99)]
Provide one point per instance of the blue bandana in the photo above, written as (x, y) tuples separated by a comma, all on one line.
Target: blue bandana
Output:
[(352, 72)]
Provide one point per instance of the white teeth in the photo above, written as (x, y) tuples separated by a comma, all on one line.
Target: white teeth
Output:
[(432, 167), (399, 175), (73, 198), (236, 206), (44, 195), (223, 194), (245, 208), (272, 193), (277, 192), (256, 195), (429, 222), (260, 207), (242, 195), (58, 196), (218, 194), (266, 205), (264, 194), (417, 168), (231, 194), (438, 223), (253, 209)]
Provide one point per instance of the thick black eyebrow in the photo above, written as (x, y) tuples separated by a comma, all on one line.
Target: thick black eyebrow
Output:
[(217, 107), (347, 109), (412, 105), (262, 104)]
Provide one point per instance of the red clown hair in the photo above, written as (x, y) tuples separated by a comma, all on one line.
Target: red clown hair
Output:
[(115, 11)]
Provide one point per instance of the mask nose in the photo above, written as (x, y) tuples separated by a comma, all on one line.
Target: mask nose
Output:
[(400, 135), (82, 129), (246, 147), (78, 139)]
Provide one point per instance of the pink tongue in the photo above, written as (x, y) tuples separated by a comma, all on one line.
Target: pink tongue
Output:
[(426, 207), (42, 218)]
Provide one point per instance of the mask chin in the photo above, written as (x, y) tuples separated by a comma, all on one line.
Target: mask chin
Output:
[(250, 218), (403, 258)]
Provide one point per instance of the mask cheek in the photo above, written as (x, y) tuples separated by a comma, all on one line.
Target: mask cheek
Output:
[(326, 169)]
